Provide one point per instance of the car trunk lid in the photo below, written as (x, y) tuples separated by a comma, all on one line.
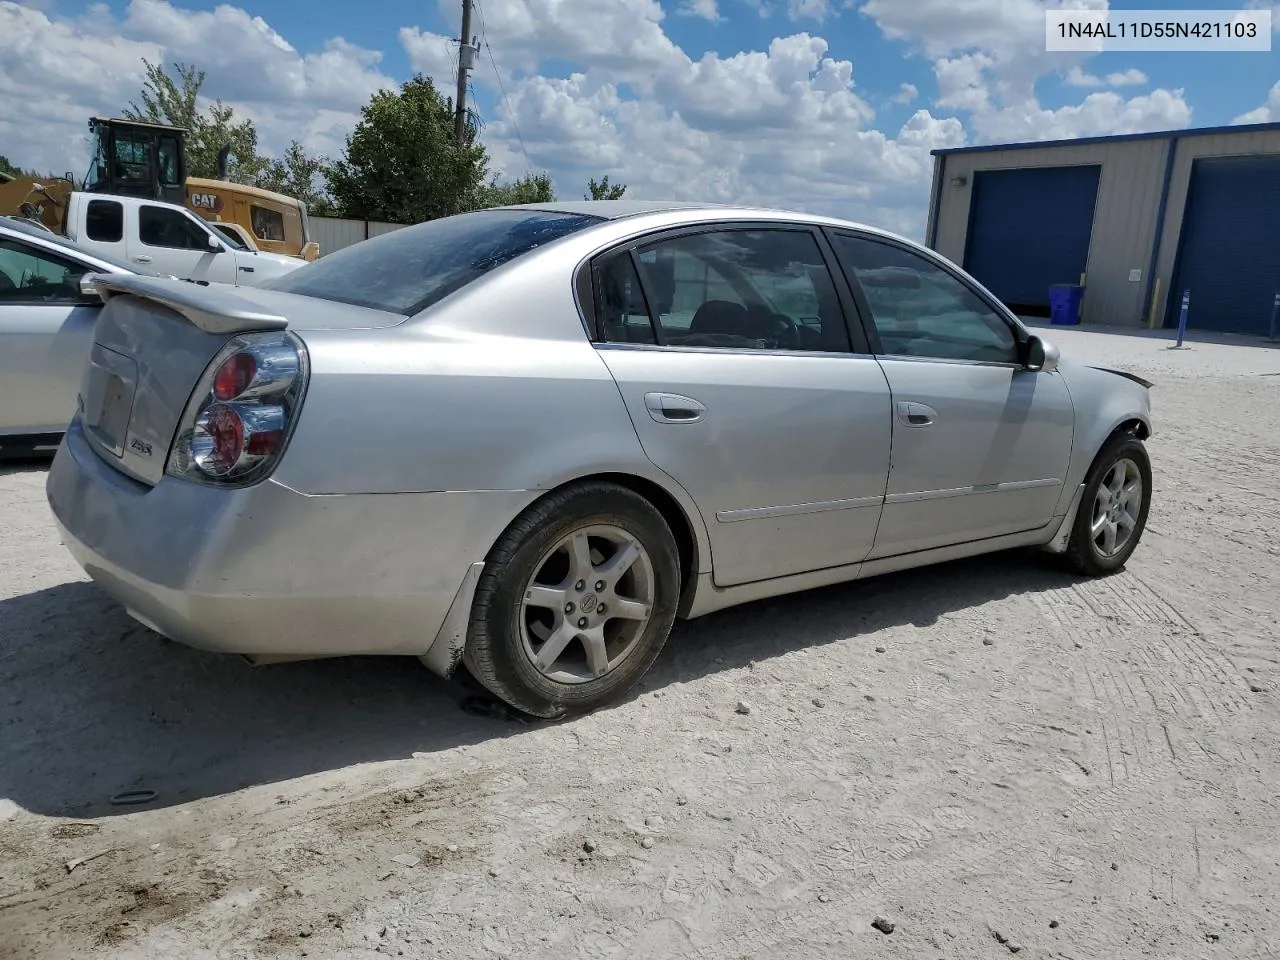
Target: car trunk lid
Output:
[(152, 343)]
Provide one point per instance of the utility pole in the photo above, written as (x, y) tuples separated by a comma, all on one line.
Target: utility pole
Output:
[(466, 59)]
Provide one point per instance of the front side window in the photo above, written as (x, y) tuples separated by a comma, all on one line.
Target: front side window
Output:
[(921, 310), (408, 270), (765, 289), (267, 224), (168, 154), (30, 275), (162, 227)]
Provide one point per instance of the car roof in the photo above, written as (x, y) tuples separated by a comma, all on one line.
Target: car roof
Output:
[(56, 243), (687, 211), (615, 209)]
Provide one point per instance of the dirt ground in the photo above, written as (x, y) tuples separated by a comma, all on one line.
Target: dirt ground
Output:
[(992, 756)]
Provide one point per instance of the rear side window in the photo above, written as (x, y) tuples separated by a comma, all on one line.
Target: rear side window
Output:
[(766, 289), (267, 224), (408, 270), (230, 235), (620, 302), (104, 221)]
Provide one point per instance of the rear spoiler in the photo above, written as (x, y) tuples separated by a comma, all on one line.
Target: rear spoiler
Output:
[(213, 309)]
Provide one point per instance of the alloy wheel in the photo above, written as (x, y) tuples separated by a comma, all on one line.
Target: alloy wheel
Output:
[(587, 604)]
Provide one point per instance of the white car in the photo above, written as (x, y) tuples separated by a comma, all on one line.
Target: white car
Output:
[(46, 331)]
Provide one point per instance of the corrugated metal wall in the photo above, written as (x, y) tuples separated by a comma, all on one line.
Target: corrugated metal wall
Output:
[(334, 233), (1123, 242), (1189, 149), (1124, 219)]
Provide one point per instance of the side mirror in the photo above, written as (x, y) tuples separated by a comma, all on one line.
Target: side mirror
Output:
[(1040, 355), (215, 245), (88, 292)]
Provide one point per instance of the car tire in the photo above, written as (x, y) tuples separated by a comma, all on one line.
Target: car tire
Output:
[(513, 622), (1124, 454)]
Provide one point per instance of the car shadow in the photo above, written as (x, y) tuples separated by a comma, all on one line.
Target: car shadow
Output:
[(93, 704)]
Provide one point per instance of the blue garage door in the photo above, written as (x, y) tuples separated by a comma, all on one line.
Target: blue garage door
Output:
[(1229, 254), (1030, 229)]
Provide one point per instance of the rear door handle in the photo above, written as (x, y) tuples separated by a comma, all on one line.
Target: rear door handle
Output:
[(673, 408), (912, 414), (142, 259)]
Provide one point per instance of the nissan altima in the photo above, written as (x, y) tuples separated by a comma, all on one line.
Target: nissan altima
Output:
[(527, 439)]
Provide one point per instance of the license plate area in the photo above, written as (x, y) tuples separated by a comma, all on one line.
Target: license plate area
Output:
[(110, 382)]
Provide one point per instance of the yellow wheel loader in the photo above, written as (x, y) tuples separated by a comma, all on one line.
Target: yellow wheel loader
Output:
[(149, 160)]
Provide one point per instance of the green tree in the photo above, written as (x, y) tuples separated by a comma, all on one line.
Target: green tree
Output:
[(531, 188), (402, 163), (176, 102), (11, 169), (604, 190), (301, 176)]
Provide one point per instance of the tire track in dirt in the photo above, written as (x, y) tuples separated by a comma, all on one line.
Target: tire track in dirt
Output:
[(961, 854), (1126, 618), (1147, 667)]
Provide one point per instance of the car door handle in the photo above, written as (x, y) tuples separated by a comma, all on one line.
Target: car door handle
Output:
[(142, 259), (912, 414), (673, 408)]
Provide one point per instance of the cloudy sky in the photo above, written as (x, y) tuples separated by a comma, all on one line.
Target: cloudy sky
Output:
[(824, 105)]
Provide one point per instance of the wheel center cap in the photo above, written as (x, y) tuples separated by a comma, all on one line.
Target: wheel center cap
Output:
[(588, 603)]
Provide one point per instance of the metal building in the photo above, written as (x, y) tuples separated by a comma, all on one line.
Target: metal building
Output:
[(1137, 218)]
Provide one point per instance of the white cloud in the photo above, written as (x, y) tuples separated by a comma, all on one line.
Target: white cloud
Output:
[(1100, 114), (1269, 112), (435, 55), (313, 97), (1076, 77), (1267, 5), (782, 124), (808, 9), (623, 38), (247, 61), (988, 55), (962, 82), (703, 9), (1128, 78)]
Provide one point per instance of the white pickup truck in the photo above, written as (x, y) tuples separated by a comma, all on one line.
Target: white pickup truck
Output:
[(167, 239)]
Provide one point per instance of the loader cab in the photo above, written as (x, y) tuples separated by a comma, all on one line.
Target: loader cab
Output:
[(136, 159)]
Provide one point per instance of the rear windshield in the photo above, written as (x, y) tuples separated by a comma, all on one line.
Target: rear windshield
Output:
[(408, 270)]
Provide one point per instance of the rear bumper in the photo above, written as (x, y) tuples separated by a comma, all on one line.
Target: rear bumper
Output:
[(266, 571)]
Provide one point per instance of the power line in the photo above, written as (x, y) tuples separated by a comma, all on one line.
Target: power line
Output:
[(484, 38)]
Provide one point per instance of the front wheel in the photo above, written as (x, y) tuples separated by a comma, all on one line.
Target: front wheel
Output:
[(1113, 508), (576, 601)]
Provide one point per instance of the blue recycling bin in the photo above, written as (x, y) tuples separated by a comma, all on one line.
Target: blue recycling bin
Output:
[(1064, 304)]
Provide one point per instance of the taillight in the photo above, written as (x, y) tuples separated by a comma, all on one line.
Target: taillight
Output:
[(242, 411)]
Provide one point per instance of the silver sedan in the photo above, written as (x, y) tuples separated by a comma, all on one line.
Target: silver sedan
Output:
[(528, 439)]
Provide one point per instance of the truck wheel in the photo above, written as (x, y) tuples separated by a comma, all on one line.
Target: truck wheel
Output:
[(576, 601)]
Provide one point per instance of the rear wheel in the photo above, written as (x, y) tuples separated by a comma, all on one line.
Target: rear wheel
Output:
[(576, 601), (1113, 508)]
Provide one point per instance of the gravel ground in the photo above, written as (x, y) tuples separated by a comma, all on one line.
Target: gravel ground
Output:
[(1033, 763)]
